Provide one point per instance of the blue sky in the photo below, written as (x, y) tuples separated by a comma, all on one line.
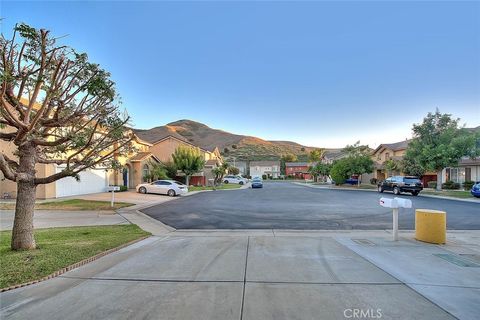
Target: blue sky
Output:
[(319, 73)]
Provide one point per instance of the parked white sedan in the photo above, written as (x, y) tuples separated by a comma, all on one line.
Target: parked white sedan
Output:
[(169, 187), (235, 179)]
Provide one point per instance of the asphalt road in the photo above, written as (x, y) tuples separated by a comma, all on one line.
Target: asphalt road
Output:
[(289, 206)]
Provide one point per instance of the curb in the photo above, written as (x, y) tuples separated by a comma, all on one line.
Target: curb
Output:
[(333, 188), (73, 266), (449, 198), (373, 190), (155, 221)]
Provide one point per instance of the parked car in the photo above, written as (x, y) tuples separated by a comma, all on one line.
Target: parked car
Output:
[(351, 181), (257, 182), (235, 179), (169, 187), (399, 184), (476, 190)]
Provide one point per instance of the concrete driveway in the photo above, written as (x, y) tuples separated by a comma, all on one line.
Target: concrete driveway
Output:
[(129, 196), (253, 275), (60, 218), (289, 206)]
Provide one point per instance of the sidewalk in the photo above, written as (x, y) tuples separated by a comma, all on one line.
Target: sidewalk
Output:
[(59, 218), (265, 274)]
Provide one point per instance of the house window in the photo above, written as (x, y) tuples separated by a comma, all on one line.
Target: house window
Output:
[(455, 174), (146, 172), (387, 156)]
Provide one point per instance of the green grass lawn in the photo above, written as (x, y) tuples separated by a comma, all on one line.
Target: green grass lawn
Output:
[(361, 186), (59, 248), (72, 204), (449, 193), (220, 187)]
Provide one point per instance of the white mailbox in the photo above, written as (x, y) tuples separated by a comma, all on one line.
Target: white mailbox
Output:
[(388, 203), (395, 203), (403, 203)]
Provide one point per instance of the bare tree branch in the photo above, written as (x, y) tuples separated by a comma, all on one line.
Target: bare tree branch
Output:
[(6, 169)]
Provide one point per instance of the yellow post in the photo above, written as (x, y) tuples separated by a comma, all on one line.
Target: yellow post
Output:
[(431, 226)]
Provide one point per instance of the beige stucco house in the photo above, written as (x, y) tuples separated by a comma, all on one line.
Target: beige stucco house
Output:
[(393, 151), (384, 152), (163, 148), (91, 181)]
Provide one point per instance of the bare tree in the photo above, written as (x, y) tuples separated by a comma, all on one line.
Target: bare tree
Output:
[(56, 108)]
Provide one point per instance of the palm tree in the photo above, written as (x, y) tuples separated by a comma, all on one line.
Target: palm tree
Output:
[(219, 173)]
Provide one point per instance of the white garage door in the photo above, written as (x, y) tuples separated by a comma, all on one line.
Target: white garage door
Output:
[(91, 181)]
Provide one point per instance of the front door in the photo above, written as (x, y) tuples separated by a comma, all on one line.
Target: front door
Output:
[(468, 174), (125, 177)]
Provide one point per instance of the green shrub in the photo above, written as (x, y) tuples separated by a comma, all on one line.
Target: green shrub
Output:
[(432, 184), (264, 176), (450, 185), (373, 181), (467, 185)]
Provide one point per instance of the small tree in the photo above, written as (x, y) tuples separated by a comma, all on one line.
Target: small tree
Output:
[(439, 142), (319, 169), (391, 165), (340, 171), (323, 169), (188, 160), (316, 155), (157, 171), (290, 157), (58, 108), (358, 160), (233, 170), (170, 169), (220, 172)]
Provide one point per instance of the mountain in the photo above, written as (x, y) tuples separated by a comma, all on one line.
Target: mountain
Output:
[(231, 145)]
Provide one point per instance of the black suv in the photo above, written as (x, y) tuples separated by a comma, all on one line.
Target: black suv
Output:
[(399, 184)]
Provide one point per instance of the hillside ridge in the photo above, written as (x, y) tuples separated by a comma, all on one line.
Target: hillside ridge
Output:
[(242, 147)]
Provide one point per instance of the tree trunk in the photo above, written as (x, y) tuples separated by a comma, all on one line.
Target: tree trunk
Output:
[(187, 180), (22, 233), (439, 180)]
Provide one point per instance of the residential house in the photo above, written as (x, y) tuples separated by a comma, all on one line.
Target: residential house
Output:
[(271, 169), (162, 147), (385, 152), (241, 165), (298, 170), (135, 166), (91, 180), (393, 151), (467, 170)]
